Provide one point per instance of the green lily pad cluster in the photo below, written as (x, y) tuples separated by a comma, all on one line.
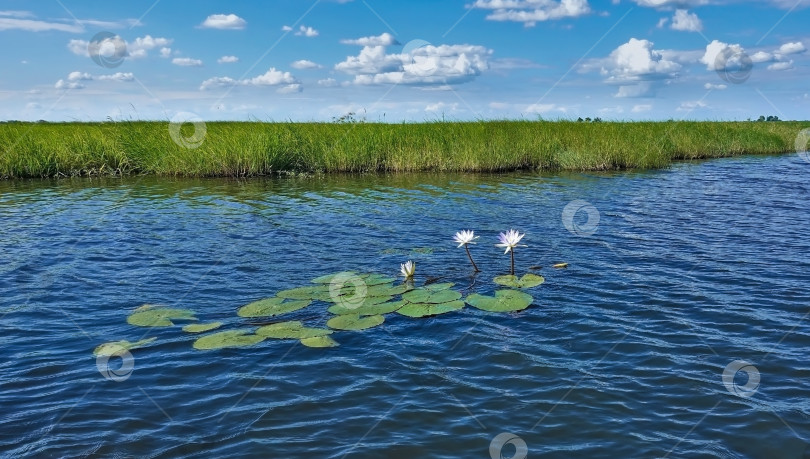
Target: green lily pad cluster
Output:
[(201, 328), (431, 300), (503, 301), (348, 301), (229, 338), (150, 315), (272, 307), (119, 347), (291, 330), (527, 281)]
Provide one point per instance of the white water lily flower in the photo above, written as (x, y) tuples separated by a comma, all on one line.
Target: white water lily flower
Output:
[(510, 240), (408, 268), (465, 237)]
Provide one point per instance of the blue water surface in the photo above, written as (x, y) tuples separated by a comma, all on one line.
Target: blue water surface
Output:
[(688, 272)]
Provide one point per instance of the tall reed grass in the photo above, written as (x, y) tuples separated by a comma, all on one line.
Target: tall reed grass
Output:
[(245, 148)]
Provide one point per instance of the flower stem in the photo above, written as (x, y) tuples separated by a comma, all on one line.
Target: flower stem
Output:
[(513, 260), (471, 260)]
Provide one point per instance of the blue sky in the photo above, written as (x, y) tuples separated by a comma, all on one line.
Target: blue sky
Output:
[(309, 60)]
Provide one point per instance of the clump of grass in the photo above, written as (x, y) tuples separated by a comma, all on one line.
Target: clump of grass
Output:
[(251, 148)]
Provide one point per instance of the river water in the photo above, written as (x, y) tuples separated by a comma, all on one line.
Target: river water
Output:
[(676, 278)]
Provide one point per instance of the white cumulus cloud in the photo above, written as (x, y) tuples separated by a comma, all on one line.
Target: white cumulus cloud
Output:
[(786, 65), (62, 84), (385, 39), (685, 21), (720, 56), (761, 56), (530, 12), (140, 46), (272, 77), (667, 4), (135, 49), (427, 65), (187, 62), (79, 76), (290, 88), (224, 22), (303, 31), (637, 60), (304, 64), (119, 76), (635, 66), (75, 80), (729, 54), (792, 48), (328, 82)]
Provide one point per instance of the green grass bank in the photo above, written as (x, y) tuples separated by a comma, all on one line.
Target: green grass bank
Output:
[(252, 148)]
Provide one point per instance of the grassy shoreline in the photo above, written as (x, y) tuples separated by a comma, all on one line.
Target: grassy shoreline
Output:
[(251, 149)]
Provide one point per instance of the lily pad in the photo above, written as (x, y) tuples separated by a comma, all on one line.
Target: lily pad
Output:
[(367, 309), (230, 338), (291, 329), (427, 295), (360, 295), (560, 265), (354, 322), (438, 287), (319, 341), (527, 281), (271, 307), (349, 278), (430, 309), (381, 293), (118, 347), (388, 290), (157, 316), (378, 279), (200, 328), (350, 292), (315, 292), (349, 304), (369, 300), (327, 279), (503, 301)]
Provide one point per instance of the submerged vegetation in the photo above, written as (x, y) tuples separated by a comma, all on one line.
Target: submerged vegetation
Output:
[(250, 148)]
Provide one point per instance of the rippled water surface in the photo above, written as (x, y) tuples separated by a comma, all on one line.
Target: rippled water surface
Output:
[(621, 355)]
